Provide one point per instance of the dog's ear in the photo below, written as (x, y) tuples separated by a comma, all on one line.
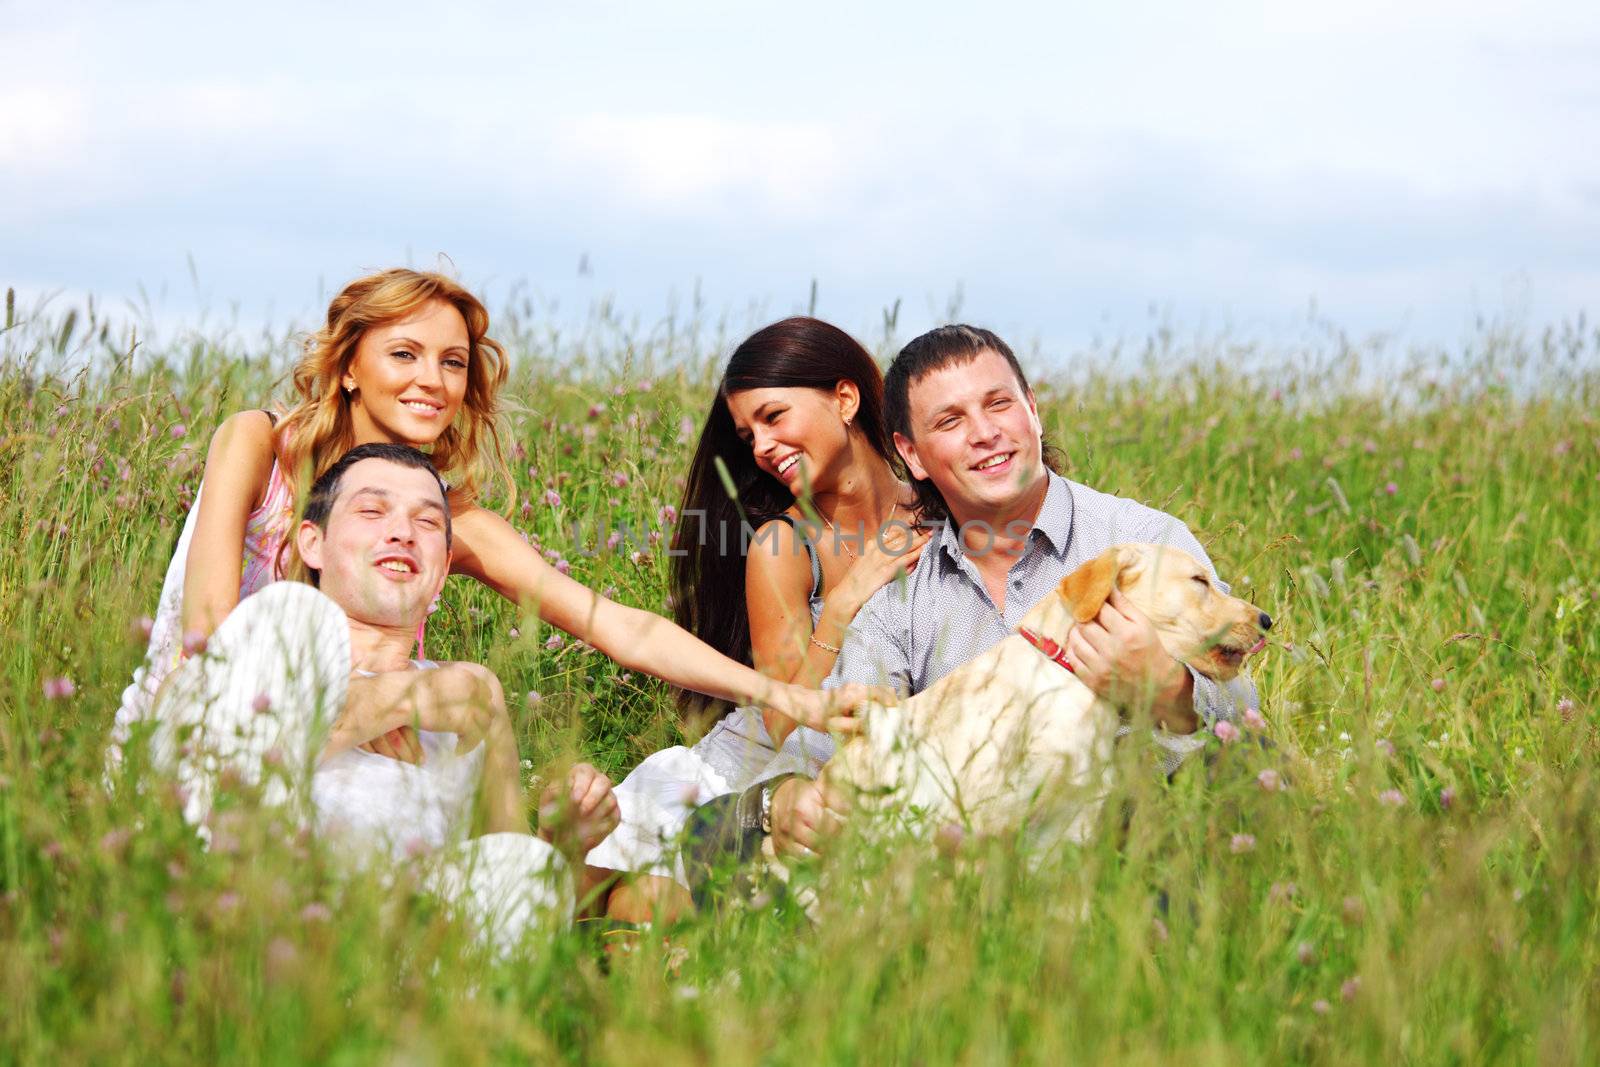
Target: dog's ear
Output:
[(1085, 589)]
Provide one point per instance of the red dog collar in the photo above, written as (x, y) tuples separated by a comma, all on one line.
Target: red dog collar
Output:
[(1052, 651)]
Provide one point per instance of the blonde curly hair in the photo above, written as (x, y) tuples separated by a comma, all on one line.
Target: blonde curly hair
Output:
[(318, 429)]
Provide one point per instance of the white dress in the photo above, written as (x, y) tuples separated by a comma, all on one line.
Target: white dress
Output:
[(257, 705), (657, 798)]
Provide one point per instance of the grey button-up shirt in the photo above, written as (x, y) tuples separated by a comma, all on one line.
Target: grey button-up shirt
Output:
[(914, 632)]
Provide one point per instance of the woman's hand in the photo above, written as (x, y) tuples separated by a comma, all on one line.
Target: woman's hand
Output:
[(827, 710), (892, 552)]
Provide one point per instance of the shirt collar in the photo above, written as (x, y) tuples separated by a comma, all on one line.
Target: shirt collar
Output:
[(1054, 523)]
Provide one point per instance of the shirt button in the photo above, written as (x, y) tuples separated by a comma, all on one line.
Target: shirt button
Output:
[(1016, 583)]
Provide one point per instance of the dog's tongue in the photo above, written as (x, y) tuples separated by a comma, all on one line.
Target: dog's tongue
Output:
[(1257, 647)]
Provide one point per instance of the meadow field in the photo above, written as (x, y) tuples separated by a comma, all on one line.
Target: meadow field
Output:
[(1418, 880)]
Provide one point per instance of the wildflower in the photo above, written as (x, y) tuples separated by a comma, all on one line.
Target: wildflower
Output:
[(1306, 953), (178, 430), (1320, 1006), (1282, 892), (1159, 929), (194, 643), (563, 566), (619, 479), (613, 539), (553, 642), (273, 757), (1391, 488), (596, 410), (1226, 732), (552, 498), (645, 385), (609, 592), (144, 625), (281, 957), (1392, 797), (1438, 685), (1353, 910), (115, 841), (227, 902), (1295, 452), (1254, 719), (1242, 843), (261, 704), (1270, 780), (1564, 708), (667, 515), (1447, 798), (685, 429), (1369, 446), (58, 689), (315, 912), (1350, 988), (1385, 747)]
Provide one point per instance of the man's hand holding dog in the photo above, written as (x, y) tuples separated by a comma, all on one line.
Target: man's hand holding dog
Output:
[(805, 813), (1118, 655)]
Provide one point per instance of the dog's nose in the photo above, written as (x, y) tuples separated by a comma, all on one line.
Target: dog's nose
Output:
[(1266, 621)]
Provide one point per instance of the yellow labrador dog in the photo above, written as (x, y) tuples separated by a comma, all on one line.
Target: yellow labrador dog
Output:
[(1014, 732)]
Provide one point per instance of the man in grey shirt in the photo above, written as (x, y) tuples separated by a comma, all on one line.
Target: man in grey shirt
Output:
[(1008, 530)]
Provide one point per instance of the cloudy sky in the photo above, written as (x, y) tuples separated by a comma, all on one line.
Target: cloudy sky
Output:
[(1073, 171)]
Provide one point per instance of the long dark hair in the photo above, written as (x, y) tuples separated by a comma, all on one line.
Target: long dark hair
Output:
[(708, 578)]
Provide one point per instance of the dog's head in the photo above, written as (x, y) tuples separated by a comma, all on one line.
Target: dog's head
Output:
[(1199, 624)]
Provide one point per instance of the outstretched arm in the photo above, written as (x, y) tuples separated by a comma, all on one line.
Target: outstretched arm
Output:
[(489, 549)]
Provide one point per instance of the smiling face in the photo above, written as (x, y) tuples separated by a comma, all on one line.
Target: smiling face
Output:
[(798, 436), (408, 377), (384, 554), (974, 433)]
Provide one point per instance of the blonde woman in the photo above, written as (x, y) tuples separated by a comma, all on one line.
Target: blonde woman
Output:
[(405, 358)]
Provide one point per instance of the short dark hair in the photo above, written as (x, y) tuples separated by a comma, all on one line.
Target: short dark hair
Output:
[(939, 348), (325, 490)]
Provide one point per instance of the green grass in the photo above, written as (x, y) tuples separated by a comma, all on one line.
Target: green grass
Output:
[(1439, 636)]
